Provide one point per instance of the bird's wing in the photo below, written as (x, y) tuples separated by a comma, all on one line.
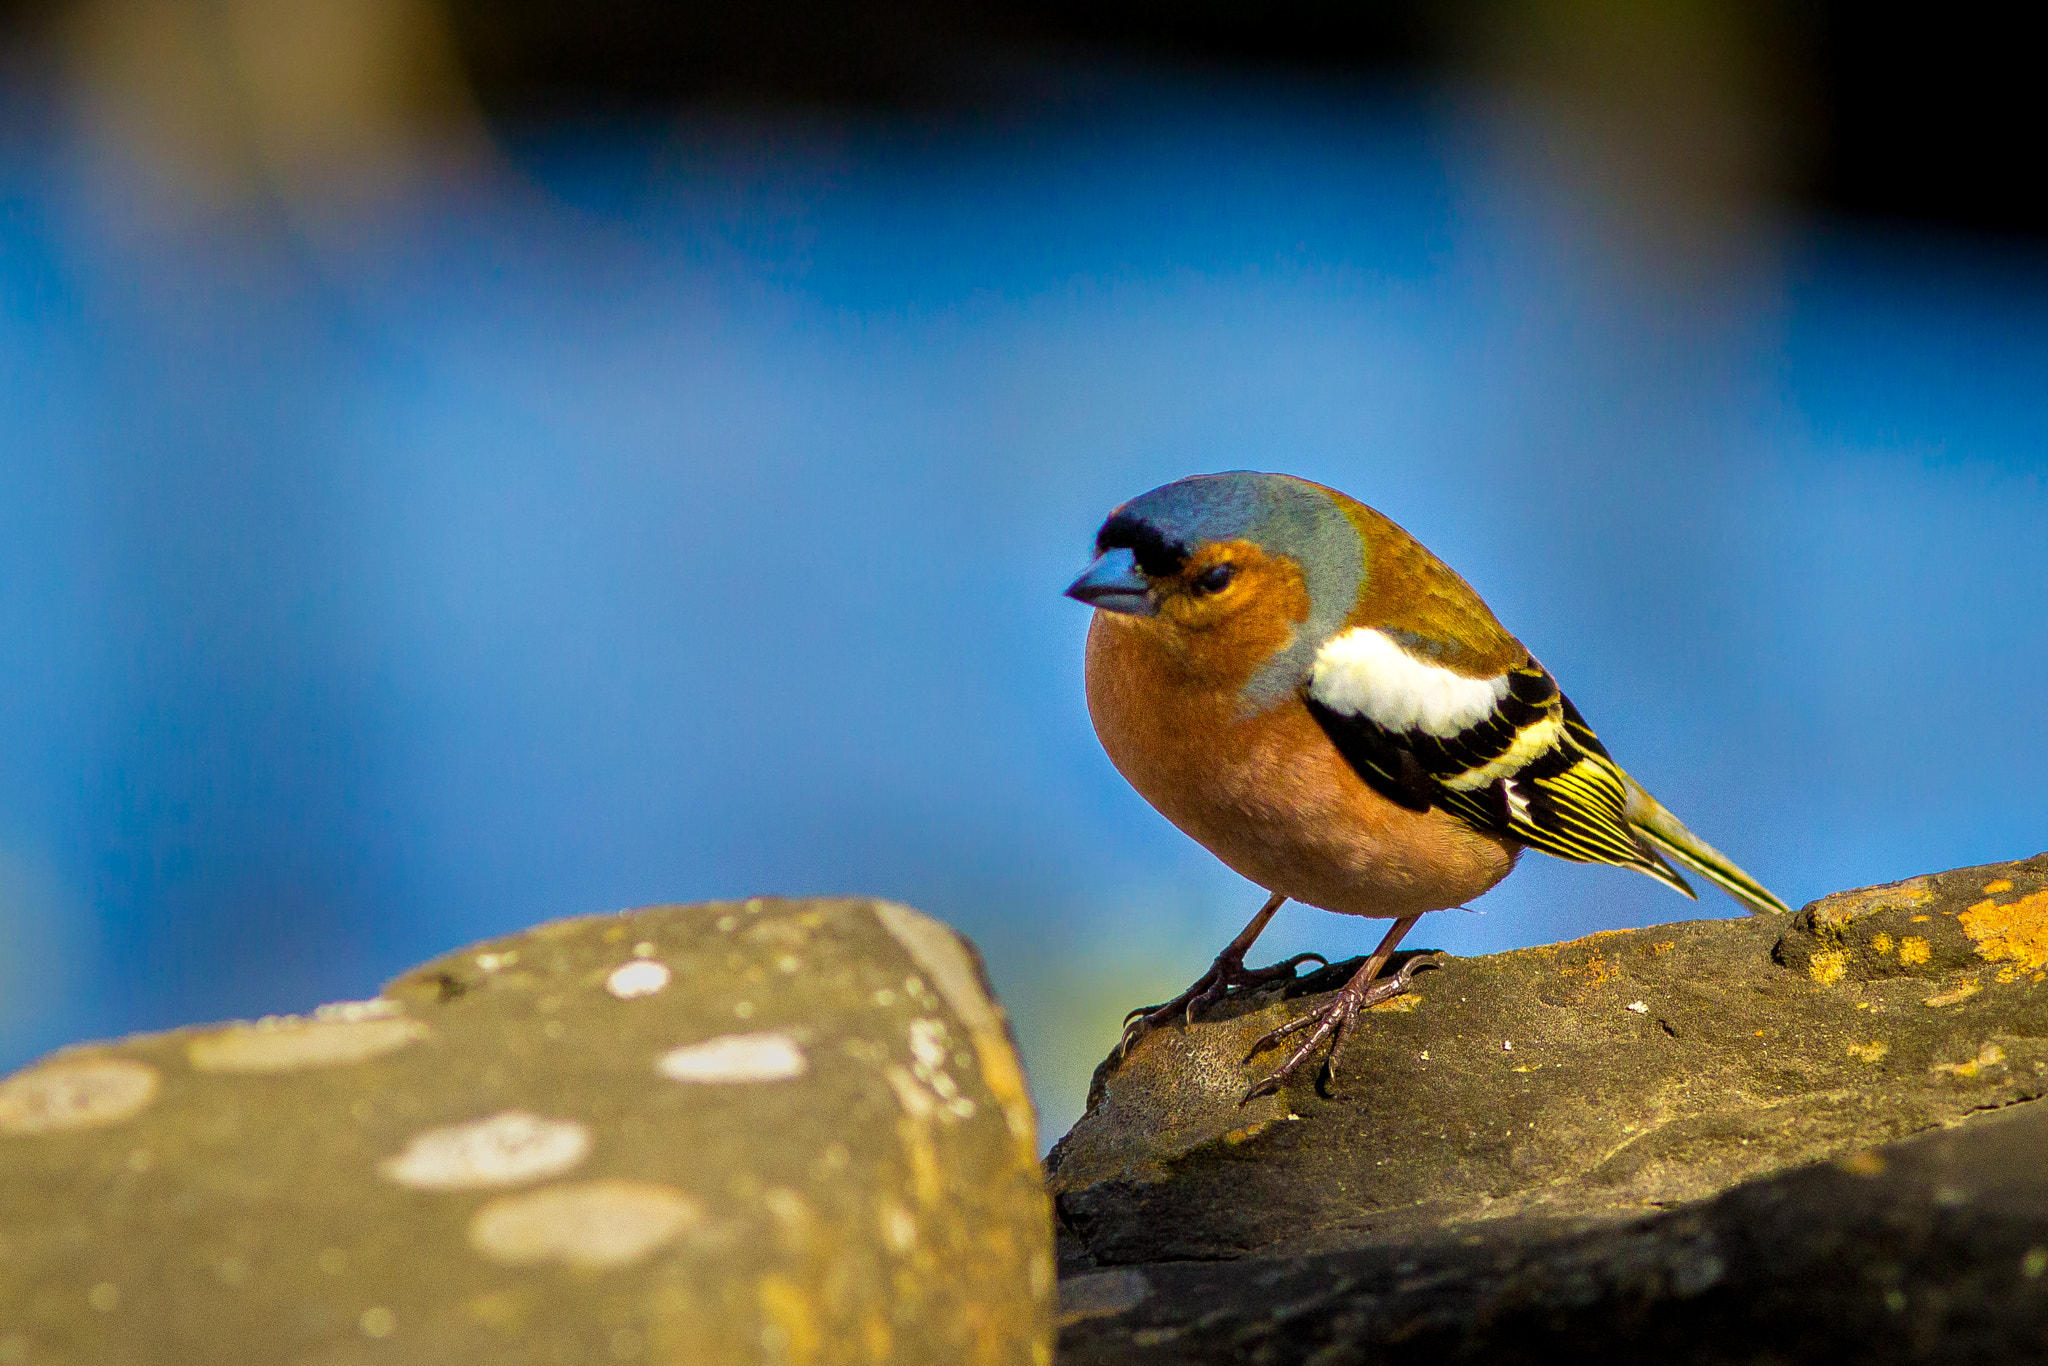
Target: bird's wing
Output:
[(1507, 753)]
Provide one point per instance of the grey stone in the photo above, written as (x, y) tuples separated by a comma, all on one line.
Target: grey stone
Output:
[(778, 1131), (1750, 1140)]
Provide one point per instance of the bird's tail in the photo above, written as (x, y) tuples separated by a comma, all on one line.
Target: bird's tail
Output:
[(1666, 834)]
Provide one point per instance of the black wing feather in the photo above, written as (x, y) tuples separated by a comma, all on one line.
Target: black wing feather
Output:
[(1566, 796)]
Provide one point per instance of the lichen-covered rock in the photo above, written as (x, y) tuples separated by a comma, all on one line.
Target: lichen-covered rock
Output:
[(762, 1131), (1601, 1077), (1933, 1250), (1485, 1177)]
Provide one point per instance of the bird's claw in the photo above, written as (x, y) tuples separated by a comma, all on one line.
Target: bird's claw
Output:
[(1212, 986), (1334, 1021)]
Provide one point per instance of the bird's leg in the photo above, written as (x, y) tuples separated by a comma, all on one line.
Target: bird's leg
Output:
[(1226, 972), (1334, 1022)]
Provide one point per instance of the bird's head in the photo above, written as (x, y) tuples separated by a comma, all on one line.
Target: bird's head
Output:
[(1244, 569)]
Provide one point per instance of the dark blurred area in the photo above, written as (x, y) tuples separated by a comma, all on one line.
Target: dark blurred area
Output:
[(1910, 113)]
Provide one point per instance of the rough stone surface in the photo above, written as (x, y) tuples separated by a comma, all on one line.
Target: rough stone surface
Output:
[(502, 1160), (1611, 1141)]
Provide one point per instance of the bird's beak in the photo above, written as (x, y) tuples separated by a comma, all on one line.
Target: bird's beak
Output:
[(1114, 584)]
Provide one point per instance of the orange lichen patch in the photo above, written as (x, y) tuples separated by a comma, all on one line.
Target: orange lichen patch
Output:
[(1828, 967), (1862, 1164), (1922, 919), (1596, 969), (1834, 912), (2016, 932), (1997, 885), (1399, 1005), (1962, 991), (1913, 949), (1661, 946), (1990, 1055), (1869, 1052), (1881, 944)]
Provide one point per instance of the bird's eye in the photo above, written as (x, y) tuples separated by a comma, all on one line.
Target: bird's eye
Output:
[(1215, 578)]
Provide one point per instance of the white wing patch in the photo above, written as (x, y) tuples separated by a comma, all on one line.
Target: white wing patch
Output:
[(1362, 672)]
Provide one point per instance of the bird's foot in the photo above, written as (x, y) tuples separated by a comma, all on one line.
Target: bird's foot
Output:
[(1334, 1022), (1223, 975)]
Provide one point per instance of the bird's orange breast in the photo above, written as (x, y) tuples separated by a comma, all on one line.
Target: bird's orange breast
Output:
[(1268, 794)]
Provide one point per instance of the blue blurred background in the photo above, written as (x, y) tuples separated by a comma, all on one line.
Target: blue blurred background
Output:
[(416, 524)]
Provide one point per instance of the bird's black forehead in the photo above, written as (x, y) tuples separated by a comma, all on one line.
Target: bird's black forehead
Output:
[(1163, 527), (1156, 554)]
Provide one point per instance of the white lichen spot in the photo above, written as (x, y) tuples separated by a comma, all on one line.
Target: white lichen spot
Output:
[(644, 949), (726, 924), (766, 1056), (75, 1095), (899, 1227), (788, 963), (885, 998), (491, 962), (928, 1042), (1638, 1007), (377, 1322), (290, 1042), (503, 1150), (593, 1225), (1507, 1045), (743, 1009), (348, 1012), (950, 966), (641, 977)]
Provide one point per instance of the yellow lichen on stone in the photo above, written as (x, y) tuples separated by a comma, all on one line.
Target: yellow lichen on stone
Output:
[(789, 1329), (2017, 931), (1997, 885), (1962, 991), (1990, 1055), (1862, 1164), (1832, 914), (1869, 1052), (1881, 944), (1828, 967), (1913, 949)]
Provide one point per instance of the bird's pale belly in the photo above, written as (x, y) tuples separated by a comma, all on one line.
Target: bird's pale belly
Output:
[(1270, 795)]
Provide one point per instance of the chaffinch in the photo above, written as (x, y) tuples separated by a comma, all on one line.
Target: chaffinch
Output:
[(1301, 687)]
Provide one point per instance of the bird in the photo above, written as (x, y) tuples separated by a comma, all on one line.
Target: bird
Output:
[(1301, 687)]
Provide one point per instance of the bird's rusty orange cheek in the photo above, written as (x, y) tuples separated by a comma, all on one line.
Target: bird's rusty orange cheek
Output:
[(1223, 639)]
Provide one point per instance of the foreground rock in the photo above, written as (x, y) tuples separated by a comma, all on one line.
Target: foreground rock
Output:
[(1486, 1178), (762, 1131)]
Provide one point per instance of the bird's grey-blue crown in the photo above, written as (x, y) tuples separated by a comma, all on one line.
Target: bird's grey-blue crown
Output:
[(1280, 515)]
